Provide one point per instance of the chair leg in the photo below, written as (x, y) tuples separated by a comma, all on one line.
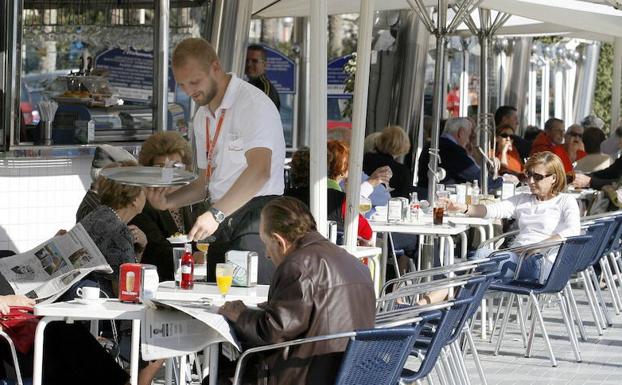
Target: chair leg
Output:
[(572, 337), (572, 303), (478, 363), (592, 302), (506, 318), (616, 270), (544, 333), (521, 320), (497, 316), (445, 364), (454, 365), (532, 328), (460, 361), (440, 373), (600, 297), (397, 267), (606, 271)]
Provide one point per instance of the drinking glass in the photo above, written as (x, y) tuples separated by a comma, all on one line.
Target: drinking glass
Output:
[(202, 246), (364, 205), (224, 277)]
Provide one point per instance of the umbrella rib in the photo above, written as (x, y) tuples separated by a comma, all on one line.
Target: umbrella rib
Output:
[(420, 8)]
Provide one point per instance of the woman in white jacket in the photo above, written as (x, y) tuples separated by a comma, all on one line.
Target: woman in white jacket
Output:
[(544, 214)]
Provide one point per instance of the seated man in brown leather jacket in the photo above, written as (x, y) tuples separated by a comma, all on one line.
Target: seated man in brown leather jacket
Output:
[(318, 289)]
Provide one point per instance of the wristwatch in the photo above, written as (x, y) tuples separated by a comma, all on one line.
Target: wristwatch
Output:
[(219, 216)]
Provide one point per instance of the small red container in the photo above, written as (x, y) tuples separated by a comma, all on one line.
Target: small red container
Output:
[(137, 282)]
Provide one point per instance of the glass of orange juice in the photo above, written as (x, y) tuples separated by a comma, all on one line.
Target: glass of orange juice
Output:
[(224, 277)]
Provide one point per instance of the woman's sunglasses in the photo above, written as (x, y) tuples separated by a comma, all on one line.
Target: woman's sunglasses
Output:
[(576, 135), (537, 177), (505, 136)]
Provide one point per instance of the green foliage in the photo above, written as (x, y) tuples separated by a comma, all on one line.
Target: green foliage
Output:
[(350, 70), (604, 83)]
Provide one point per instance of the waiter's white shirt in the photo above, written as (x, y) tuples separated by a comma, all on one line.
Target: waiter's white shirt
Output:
[(251, 121)]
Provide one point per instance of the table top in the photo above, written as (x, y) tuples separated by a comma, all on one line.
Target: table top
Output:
[(364, 251), (110, 309), (469, 221), (248, 295), (423, 227)]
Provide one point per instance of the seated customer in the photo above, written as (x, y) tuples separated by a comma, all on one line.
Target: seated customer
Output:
[(164, 149), (71, 355), (604, 177), (107, 226), (317, 289), (572, 149), (507, 154), (460, 166), (336, 199), (545, 214), (391, 144), (594, 160), (105, 156)]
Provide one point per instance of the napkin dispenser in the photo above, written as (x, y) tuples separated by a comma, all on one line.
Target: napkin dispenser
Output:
[(137, 282), (245, 265)]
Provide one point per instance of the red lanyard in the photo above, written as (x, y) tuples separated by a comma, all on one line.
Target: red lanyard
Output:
[(210, 143)]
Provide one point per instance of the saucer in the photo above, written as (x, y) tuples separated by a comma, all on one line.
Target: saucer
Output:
[(179, 239), (97, 301)]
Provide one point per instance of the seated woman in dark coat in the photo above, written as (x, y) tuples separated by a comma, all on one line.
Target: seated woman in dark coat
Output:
[(107, 226), (165, 149), (391, 144)]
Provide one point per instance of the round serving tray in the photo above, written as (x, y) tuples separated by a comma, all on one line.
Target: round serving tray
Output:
[(149, 176)]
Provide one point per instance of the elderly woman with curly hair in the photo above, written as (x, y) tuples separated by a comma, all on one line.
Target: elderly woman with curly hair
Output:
[(108, 226), (159, 150)]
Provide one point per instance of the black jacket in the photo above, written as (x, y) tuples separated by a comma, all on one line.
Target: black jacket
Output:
[(159, 225), (402, 180)]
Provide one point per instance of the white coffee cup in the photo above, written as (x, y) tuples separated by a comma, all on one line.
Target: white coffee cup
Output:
[(88, 293)]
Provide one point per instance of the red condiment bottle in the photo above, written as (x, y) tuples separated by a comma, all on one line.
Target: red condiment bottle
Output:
[(187, 268)]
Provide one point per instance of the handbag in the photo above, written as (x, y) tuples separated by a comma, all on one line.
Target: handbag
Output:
[(20, 324)]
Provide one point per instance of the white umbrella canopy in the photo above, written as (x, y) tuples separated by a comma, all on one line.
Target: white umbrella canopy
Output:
[(596, 20)]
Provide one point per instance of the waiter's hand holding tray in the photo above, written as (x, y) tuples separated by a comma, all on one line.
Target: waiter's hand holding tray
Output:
[(149, 176)]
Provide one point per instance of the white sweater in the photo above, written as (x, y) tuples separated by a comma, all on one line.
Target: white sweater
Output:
[(539, 220)]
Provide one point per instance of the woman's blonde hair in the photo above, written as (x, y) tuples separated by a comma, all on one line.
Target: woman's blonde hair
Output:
[(165, 143), (393, 141), (553, 166)]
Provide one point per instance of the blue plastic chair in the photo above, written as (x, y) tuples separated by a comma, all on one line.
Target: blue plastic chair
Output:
[(372, 357), (448, 327), (560, 274), (601, 231)]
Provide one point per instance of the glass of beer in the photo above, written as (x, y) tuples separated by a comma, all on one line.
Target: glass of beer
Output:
[(202, 246), (224, 277), (364, 205), (439, 207)]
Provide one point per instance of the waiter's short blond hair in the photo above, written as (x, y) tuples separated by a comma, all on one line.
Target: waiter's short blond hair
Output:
[(194, 48)]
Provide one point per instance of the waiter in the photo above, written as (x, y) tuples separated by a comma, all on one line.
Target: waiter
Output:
[(240, 155)]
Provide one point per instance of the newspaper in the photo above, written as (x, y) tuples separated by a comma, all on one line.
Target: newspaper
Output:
[(47, 271), (173, 328)]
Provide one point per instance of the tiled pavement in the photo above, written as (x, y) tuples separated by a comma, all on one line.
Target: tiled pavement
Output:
[(602, 356)]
